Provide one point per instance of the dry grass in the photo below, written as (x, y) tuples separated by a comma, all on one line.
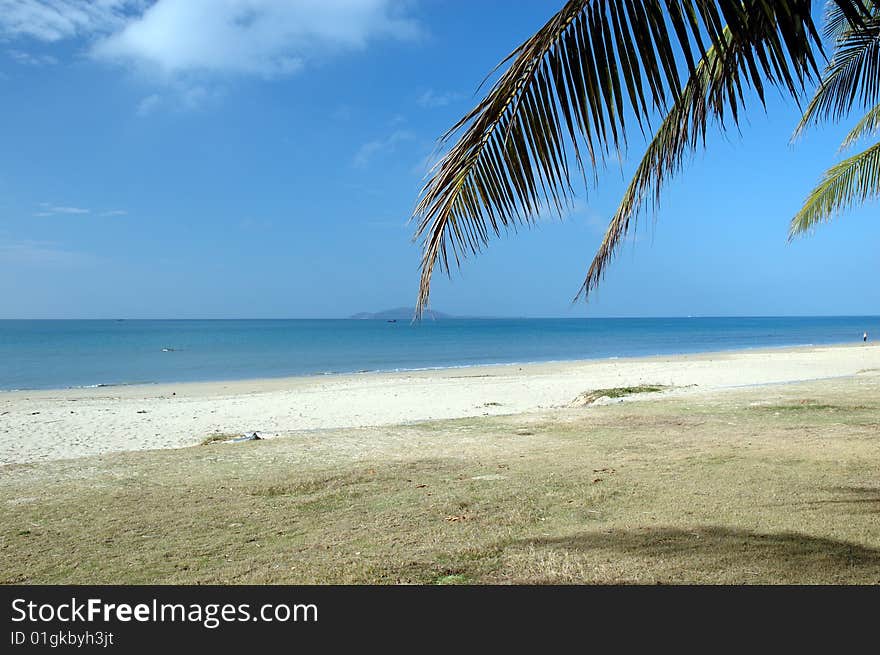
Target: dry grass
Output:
[(217, 438), (731, 488)]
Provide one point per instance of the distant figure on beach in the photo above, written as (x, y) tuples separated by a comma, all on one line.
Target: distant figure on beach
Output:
[(865, 337)]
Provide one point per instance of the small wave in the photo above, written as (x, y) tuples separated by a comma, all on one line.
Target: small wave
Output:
[(102, 385)]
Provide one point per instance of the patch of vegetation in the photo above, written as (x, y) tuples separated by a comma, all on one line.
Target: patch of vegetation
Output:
[(805, 405), (618, 392), (589, 397)]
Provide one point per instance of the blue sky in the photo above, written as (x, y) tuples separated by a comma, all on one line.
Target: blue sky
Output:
[(198, 159)]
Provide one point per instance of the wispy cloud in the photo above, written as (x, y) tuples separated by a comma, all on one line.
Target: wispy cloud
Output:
[(386, 223), (431, 99), (371, 149), (40, 253), (342, 113), (51, 209), (179, 95), (48, 209), (252, 224), (427, 163), (148, 105), (31, 59)]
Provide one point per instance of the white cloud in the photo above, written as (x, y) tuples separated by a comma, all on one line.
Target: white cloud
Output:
[(186, 44), (115, 212), (389, 144), (431, 98), (54, 20), (262, 37)]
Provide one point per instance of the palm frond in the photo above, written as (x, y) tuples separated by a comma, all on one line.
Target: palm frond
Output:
[(704, 95), (567, 89), (867, 125), (852, 181), (853, 74), (840, 18)]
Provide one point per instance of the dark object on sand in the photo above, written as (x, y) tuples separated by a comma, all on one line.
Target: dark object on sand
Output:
[(248, 437)]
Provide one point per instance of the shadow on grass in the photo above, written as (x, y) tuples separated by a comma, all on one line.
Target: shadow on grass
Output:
[(860, 500), (849, 500), (786, 556)]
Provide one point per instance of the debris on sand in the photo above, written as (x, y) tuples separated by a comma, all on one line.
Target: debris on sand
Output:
[(253, 436)]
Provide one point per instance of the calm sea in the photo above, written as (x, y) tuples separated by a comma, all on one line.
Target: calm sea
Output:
[(58, 354)]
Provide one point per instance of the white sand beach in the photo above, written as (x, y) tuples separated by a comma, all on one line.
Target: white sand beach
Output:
[(45, 425)]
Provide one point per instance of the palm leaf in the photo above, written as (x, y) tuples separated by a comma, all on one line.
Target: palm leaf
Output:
[(853, 74), (867, 125), (853, 180), (680, 133), (566, 91), (839, 19)]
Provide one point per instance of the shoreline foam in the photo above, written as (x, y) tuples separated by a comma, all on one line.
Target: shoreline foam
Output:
[(404, 370), (56, 424)]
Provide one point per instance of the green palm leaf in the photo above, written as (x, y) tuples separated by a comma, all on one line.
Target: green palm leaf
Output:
[(853, 180), (868, 124), (567, 89)]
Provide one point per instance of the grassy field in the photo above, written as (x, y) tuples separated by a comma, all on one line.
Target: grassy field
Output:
[(764, 485)]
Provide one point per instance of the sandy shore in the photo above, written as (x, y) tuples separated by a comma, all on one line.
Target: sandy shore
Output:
[(43, 425)]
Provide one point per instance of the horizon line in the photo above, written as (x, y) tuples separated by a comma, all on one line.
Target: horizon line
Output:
[(445, 318)]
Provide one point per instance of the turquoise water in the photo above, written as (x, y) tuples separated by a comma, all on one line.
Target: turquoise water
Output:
[(58, 354)]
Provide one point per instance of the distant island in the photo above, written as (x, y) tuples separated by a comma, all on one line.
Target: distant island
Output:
[(405, 313)]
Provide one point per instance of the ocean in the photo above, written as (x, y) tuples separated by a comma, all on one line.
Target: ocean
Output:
[(51, 354)]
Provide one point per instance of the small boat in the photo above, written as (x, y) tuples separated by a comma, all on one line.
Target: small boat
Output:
[(391, 320)]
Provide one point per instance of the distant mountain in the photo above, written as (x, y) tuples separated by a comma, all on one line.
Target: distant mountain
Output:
[(399, 313)]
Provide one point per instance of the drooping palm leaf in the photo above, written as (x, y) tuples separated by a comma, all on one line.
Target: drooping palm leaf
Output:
[(569, 87), (680, 133), (852, 181)]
